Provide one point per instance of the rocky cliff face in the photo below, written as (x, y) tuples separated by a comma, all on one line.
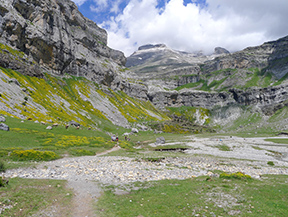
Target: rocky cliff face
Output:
[(54, 36), (268, 99), (271, 56)]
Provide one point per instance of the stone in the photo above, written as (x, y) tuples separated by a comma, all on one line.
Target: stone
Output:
[(160, 140), (2, 119), (49, 128), (4, 127), (134, 130)]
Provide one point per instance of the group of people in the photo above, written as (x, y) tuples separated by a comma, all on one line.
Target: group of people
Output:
[(115, 138)]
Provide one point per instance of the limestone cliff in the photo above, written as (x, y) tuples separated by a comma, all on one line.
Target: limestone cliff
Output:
[(55, 37)]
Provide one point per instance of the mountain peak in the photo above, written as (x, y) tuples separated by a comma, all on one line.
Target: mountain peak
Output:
[(150, 46), (220, 50)]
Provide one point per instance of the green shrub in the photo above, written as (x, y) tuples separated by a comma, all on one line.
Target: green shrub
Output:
[(2, 167), (82, 152), (33, 155), (237, 175), (126, 145), (223, 148), (2, 182), (3, 153), (270, 163)]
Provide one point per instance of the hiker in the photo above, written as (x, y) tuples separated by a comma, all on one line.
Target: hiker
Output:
[(117, 139), (113, 138)]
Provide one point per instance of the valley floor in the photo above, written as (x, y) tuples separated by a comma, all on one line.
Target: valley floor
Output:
[(88, 175)]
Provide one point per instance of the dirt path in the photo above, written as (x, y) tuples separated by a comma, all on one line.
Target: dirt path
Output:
[(86, 194)]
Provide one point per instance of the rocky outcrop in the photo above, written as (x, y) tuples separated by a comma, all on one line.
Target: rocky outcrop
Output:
[(53, 36), (278, 60), (271, 56), (268, 99), (188, 97)]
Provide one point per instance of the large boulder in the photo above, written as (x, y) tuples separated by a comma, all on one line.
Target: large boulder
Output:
[(4, 127), (134, 130), (160, 140), (74, 123)]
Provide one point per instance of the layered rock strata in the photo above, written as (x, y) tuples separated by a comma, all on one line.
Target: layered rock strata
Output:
[(268, 99)]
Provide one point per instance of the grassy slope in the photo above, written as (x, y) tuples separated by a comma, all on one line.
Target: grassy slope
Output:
[(217, 197), (253, 77), (27, 196)]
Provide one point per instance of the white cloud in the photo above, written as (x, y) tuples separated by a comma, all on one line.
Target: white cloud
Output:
[(115, 6), (230, 24), (101, 5)]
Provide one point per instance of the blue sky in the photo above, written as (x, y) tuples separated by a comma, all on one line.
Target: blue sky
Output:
[(188, 25)]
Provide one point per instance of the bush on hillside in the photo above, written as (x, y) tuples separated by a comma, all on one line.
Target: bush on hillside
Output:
[(33, 155), (237, 175), (2, 167), (82, 152)]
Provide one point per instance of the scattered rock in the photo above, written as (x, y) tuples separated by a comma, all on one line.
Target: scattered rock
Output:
[(2, 119), (37, 122), (142, 127), (4, 127), (49, 128)]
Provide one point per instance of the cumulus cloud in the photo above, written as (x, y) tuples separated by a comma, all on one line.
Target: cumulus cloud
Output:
[(192, 27)]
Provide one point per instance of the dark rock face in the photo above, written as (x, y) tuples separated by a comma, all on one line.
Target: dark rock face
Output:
[(54, 36), (190, 98), (269, 99), (278, 60), (220, 50)]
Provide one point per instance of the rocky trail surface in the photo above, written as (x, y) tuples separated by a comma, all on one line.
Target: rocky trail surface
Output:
[(87, 175)]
